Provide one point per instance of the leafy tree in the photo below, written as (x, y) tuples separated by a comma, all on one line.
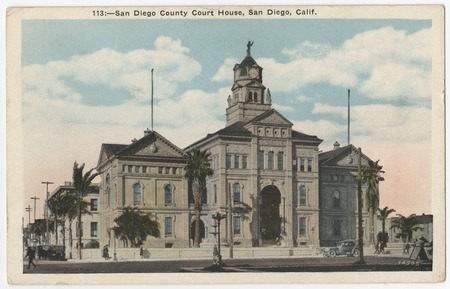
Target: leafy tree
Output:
[(371, 176), (39, 228), (82, 183), (197, 169), (406, 225), (135, 226)]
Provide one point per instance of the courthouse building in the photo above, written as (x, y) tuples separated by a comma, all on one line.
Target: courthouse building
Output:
[(266, 179)]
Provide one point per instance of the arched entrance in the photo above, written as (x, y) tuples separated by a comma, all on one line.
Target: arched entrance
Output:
[(270, 221), (202, 231)]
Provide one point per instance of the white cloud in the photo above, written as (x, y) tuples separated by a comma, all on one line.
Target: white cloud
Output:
[(383, 63), (128, 71), (308, 49), (225, 71), (385, 122), (323, 129)]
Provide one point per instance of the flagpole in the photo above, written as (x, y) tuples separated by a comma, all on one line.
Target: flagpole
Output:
[(152, 99), (348, 119)]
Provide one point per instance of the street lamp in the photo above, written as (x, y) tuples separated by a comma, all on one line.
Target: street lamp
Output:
[(217, 218)]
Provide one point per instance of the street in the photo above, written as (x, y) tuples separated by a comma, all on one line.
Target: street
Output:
[(316, 264)]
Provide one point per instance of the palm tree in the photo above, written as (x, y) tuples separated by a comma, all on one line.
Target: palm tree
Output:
[(135, 226), (382, 215), (197, 169), (406, 225), (82, 183), (371, 177)]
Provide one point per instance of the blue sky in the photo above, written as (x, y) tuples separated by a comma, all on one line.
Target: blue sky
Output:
[(88, 81)]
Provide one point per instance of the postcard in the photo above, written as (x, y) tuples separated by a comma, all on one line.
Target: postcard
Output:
[(263, 144)]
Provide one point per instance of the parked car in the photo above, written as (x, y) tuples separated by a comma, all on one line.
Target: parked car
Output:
[(51, 252), (345, 247)]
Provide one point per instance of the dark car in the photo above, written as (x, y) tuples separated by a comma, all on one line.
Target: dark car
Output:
[(51, 252), (345, 247)]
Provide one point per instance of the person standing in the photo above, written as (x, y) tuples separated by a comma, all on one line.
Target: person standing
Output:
[(31, 254)]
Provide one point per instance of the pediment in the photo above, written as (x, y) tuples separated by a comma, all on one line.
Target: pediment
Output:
[(348, 158), (153, 145), (273, 118)]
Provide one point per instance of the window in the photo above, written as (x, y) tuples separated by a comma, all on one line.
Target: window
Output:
[(302, 197), (244, 161), (255, 96), (280, 161), (215, 194), (174, 171), (167, 171), (236, 225), (309, 164), (236, 193), (168, 190), (260, 159), (228, 161), (336, 200), (130, 169), (236, 161), (270, 160), (302, 227), (137, 188), (94, 229), (124, 168), (250, 96), (160, 170), (94, 205), (336, 228), (144, 169), (168, 226), (302, 164), (136, 169)]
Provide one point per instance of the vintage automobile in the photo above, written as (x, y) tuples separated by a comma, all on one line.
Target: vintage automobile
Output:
[(51, 252), (345, 247)]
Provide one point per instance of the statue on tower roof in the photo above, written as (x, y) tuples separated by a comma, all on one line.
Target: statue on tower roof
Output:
[(249, 45)]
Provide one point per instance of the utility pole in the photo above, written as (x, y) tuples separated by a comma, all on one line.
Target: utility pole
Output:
[(28, 209), (46, 211), (360, 220), (34, 198)]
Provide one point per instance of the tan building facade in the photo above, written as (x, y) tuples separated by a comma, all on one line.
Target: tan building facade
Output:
[(260, 167), (147, 174)]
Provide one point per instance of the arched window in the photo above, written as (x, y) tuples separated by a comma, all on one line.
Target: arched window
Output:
[(137, 188), (255, 96), (250, 96), (336, 200), (236, 193), (270, 160), (168, 194), (302, 195)]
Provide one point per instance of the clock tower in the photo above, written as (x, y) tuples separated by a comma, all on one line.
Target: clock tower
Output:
[(247, 99)]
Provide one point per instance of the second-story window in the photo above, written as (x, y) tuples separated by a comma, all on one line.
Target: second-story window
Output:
[(236, 193), (270, 160), (168, 194), (137, 188), (94, 205)]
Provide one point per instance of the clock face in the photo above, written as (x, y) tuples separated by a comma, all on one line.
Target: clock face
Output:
[(253, 72)]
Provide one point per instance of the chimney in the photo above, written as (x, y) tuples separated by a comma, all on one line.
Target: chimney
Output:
[(336, 145)]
